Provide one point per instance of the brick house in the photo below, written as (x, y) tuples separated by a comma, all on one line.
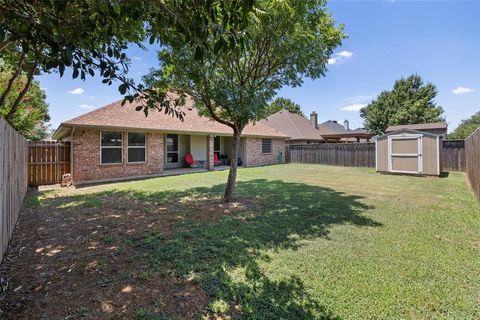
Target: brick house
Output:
[(116, 142)]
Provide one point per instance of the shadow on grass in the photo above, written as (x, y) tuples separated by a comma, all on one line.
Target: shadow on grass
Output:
[(221, 246)]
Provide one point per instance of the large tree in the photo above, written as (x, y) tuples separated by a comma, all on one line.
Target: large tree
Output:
[(32, 112), (409, 102), (90, 37), (283, 103), (466, 127), (288, 40)]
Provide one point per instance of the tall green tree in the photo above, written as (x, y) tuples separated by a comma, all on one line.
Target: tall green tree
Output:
[(90, 37), (288, 40), (32, 112), (283, 103), (466, 127), (409, 102)]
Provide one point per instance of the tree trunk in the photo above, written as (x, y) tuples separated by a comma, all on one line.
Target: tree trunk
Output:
[(232, 174), (5, 93), (17, 101)]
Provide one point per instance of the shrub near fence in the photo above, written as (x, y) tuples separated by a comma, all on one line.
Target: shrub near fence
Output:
[(472, 156), (336, 154), (13, 180)]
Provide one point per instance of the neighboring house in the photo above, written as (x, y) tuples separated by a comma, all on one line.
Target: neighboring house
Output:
[(439, 128), (305, 131), (115, 142), (297, 127), (332, 131)]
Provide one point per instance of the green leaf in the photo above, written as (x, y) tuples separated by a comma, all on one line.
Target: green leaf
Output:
[(2, 35), (122, 88), (68, 56), (75, 73), (61, 69)]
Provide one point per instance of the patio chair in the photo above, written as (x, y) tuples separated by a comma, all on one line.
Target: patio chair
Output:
[(191, 162), (216, 161)]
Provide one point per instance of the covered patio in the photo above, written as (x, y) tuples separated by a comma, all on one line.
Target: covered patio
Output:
[(202, 149), (179, 171)]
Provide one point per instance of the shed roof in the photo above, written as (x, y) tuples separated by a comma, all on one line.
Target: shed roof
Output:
[(420, 126), (406, 130)]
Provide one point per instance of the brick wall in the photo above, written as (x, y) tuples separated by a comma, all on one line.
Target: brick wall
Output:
[(254, 155), (86, 157)]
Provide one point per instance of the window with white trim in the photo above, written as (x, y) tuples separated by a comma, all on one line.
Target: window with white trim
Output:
[(266, 145), (137, 149), (111, 147)]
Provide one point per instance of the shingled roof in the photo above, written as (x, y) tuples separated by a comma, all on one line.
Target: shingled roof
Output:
[(420, 126), (300, 128), (294, 125), (116, 116)]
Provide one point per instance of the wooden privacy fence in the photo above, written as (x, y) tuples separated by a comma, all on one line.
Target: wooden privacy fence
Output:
[(13, 180), (472, 155), (47, 162), (336, 154), (453, 155)]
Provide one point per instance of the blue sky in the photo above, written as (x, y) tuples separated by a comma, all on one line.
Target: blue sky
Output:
[(439, 40)]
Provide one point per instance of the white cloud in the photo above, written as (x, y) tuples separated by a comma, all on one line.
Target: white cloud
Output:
[(340, 57), (353, 107), (345, 54), (86, 106), (462, 90), (137, 58), (76, 91)]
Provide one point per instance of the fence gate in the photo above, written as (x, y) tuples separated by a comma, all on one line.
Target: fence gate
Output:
[(47, 162)]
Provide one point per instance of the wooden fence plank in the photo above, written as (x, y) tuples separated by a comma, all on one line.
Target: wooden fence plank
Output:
[(472, 156), (363, 154), (13, 180), (337, 154), (48, 161), (453, 155)]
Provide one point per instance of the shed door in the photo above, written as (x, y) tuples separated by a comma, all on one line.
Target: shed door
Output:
[(405, 154)]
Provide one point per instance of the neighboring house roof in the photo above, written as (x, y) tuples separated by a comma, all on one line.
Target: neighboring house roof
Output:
[(421, 126), (332, 129), (116, 116), (294, 125), (300, 128)]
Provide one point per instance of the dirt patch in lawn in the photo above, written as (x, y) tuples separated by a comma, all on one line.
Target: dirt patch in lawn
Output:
[(72, 256)]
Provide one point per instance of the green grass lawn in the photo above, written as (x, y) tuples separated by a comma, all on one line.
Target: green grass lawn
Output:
[(305, 241)]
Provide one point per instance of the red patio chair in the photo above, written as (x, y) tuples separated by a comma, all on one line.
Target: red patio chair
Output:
[(216, 162), (190, 162)]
